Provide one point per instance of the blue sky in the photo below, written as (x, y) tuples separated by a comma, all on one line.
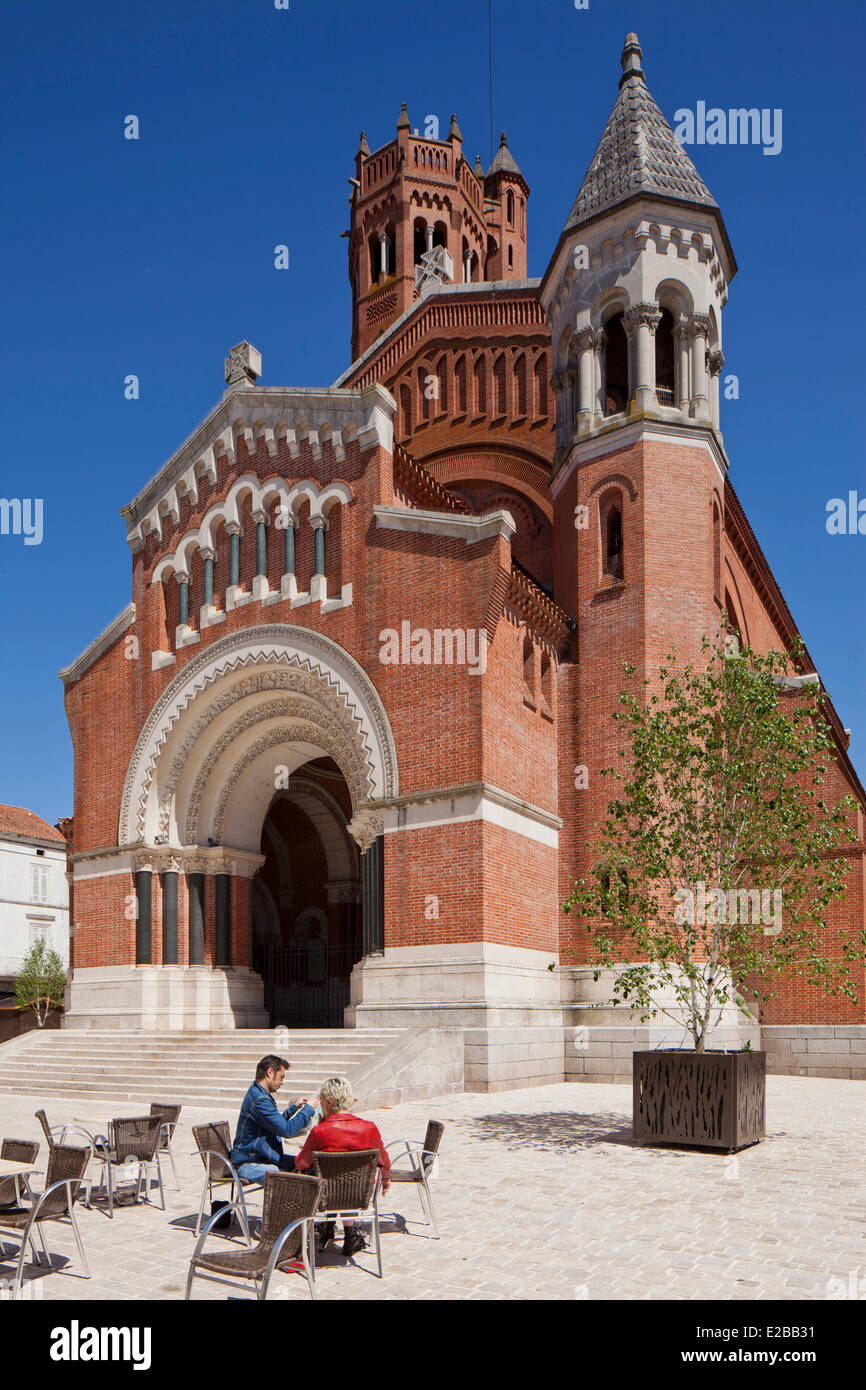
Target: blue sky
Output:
[(154, 256)]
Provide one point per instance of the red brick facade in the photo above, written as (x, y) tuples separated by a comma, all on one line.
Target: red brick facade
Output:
[(469, 435)]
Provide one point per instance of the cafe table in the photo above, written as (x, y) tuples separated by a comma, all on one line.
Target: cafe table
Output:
[(9, 1168)]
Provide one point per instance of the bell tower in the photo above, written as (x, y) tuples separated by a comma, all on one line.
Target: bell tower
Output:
[(422, 215)]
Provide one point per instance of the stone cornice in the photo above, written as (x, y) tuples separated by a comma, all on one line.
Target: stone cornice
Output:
[(272, 413), (468, 528), (485, 789), (646, 427), (70, 674)]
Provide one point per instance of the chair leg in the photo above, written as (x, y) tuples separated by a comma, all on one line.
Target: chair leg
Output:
[(110, 1168), (191, 1275), (173, 1167), (205, 1190), (431, 1209), (244, 1216), (378, 1235), (159, 1176), (79, 1243)]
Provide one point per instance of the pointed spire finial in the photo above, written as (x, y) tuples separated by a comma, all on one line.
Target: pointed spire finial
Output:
[(631, 59), (364, 148), (454, 132), (503, 143), (403, 123), (479, 167)]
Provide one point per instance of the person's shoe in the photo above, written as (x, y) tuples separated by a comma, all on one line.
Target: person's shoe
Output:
[(326, 1234), (353, 1242)]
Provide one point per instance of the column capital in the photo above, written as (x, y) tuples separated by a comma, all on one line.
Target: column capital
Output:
[(716, 361), (260, 516), (364, 829), (585, 339), (700, 325), (234, 528), (181, 576), (206, 552), (643, 314), (319, 523)]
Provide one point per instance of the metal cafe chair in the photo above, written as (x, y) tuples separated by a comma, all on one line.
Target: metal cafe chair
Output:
[(17, 1151), (169, 1114), (286, 1235), (63, 1182), (350, 1190), (214, 1144), (421, 1158), (134, 1141)]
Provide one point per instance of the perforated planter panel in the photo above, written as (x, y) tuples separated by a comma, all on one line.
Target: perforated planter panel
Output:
[(700, 1099)]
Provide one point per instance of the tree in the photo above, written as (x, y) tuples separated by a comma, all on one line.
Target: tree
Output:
[(719, 856), (42, 981)]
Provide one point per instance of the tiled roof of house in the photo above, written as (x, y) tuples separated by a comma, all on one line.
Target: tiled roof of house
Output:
[(25, 825)]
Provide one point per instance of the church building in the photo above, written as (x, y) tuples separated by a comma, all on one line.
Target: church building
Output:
[(326, 757)]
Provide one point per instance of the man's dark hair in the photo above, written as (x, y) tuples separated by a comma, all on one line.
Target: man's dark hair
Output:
[(265, 1065)]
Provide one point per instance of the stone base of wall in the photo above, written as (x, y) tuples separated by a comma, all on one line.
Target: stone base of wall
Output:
[(801, 1049), (168, 998), (417, 1065)]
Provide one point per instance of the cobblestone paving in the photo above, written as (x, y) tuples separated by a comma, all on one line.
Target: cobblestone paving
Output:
[(541, 1194)]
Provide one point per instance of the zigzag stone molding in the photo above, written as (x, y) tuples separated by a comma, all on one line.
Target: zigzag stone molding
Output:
[(300, 649)]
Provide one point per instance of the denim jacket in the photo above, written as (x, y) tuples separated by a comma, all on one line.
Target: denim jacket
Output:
[(261, 1127)]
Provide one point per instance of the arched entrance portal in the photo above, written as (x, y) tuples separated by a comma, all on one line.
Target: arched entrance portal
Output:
[(306, 900)]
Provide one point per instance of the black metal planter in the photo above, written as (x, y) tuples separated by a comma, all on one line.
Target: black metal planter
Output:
[(699, 1099)]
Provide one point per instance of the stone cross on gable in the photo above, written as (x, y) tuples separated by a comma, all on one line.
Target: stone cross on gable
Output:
[(436, 267), (243, 365)]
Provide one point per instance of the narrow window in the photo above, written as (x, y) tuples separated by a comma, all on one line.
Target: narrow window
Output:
[(665, 384), (480, 375), (613, 547), (520, 384), (509, 204), (528, 672), (499, 385), (616, 366), (460, 385), (541, 387)]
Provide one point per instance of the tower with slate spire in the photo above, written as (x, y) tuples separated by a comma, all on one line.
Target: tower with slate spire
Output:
[(634, 296)]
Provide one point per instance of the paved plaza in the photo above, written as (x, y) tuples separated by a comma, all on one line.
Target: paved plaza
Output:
[(541, 1194)]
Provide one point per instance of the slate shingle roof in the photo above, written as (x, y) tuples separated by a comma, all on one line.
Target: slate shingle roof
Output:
[(504, 161), (637, 153)]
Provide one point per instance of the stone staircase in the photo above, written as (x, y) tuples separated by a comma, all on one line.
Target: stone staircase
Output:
[(191, 1069)]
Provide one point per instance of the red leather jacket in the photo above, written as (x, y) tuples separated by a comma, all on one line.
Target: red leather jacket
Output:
[(343, 1133)]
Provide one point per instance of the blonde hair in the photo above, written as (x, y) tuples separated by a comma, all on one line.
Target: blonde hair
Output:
[(338, 1093)]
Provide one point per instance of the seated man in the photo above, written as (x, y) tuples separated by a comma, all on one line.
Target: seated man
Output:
[(340, 1132), (257, 1149)]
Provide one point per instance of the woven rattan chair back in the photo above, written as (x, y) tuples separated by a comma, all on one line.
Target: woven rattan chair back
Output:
[(288, 1197), (168, 1115), (216, 1136), (349, 1179), (43, 1120), (136, 1137), (432, 1140), (64, 1162), (17, 1151)]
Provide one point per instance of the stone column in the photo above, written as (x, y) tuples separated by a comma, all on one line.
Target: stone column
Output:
[(585, 373), (261, 543), (683, 350), (169, 914), (290, 546), (234, 530), (700, 326), (195, 882), (601, 373), (383, 255), (429, 229), (716, 363), (641, 322), (207, 556), (467, 268), (143, 910), (183, 590)]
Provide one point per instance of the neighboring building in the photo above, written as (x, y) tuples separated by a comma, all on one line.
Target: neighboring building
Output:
[(34, 895), (295, 755)]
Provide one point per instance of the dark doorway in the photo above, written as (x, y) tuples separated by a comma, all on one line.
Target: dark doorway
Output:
[(306, 900)]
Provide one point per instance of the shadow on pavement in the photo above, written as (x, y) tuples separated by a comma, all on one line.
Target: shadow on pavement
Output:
[(559, 1131)]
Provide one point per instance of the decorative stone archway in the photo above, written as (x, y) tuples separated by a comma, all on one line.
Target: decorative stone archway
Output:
[(228, 731)]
